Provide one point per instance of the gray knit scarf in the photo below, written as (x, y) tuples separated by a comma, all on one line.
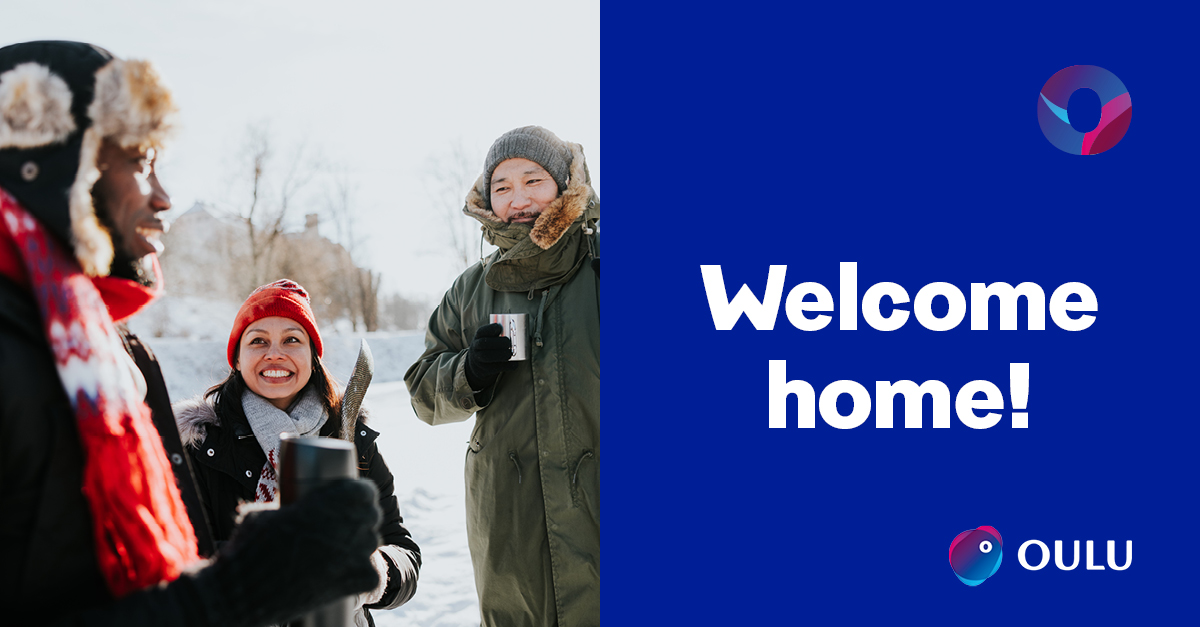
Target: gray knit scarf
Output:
[(305, 417)]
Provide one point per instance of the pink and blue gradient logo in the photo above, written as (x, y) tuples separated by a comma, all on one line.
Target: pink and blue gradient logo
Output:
[(1115, 112), (975, 554)]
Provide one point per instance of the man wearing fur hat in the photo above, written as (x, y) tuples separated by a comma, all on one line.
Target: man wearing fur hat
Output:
[(533, 464), (96, 526)]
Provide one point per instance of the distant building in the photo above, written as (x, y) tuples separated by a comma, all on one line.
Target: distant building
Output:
[(210, 255), (199, 251)]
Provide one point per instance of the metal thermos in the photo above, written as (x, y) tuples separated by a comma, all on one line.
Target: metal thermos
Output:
[(305, 464)]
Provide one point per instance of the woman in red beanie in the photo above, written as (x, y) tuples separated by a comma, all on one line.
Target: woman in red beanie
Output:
[(278, 384)]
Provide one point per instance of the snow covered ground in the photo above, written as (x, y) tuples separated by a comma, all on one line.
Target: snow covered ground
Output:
[(427, 462), (428, 465)]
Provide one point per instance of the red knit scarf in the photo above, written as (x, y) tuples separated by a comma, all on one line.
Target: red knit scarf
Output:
[(141, 528)]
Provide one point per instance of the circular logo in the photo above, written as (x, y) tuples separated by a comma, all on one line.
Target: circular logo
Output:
[(975, 554), (1115, 112)]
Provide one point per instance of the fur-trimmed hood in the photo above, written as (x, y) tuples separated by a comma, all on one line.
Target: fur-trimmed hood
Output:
[(193, 416), (59, 101), (553, 223)]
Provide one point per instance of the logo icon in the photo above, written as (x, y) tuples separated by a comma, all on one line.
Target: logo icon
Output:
[(1115, 113), (975, 554)]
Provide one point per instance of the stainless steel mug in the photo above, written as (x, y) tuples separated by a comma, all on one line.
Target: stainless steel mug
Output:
[(514, 329), (305, 464)]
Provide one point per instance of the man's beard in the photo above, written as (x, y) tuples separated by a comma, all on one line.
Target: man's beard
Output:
[(523, 214), (124, 265)]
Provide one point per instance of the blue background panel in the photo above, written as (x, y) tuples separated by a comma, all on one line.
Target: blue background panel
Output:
[(906, 140)]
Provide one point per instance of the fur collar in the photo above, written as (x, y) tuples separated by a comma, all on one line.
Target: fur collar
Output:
[(560, 215), (193, 417)]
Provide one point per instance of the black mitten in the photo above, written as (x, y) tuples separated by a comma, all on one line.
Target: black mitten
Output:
[(488, 356), (278, 565)]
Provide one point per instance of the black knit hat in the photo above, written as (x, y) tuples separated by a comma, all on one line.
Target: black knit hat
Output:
[(59, 100), (534, 143)]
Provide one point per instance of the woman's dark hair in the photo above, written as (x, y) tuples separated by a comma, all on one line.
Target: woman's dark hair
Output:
[(227, 395)]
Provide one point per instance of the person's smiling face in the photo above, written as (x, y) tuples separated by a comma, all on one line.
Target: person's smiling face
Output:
[(275, 359), (129, 199), (521, 190)]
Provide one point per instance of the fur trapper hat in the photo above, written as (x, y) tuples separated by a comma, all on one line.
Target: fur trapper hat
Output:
[(59, 100), (575, 198)]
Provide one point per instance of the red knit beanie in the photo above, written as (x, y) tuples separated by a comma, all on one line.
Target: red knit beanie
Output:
[(284, 298)]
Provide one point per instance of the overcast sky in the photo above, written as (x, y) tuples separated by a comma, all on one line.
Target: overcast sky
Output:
[(375, 87)]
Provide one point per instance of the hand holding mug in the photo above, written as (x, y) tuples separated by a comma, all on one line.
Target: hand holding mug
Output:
[(488, 356)]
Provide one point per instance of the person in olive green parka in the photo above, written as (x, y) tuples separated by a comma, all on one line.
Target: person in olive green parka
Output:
[(533, 462)]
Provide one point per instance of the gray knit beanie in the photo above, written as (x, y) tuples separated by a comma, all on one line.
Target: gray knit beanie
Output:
[(529, 142)]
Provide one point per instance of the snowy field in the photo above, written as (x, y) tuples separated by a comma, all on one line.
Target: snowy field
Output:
[(427, 462)]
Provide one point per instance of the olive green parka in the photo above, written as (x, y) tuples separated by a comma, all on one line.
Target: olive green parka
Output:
[(533, 461)]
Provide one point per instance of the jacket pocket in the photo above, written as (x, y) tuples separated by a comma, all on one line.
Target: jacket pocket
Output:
[(475, 443), (585, 459), (512, 455)]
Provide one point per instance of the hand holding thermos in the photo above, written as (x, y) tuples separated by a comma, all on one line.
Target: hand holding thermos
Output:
[(278, 565), (306, 554)]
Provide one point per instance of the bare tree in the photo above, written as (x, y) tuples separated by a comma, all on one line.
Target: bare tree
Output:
[(399, 313), (368, 298), (448, 176), (272, 192), (225, 253), (356, 287)]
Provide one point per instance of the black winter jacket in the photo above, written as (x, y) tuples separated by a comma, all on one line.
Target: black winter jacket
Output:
[(47, 556), (227, 461), (46, 546)]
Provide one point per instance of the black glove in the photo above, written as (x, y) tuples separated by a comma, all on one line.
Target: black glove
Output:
[(278, 565), (488, 356)]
